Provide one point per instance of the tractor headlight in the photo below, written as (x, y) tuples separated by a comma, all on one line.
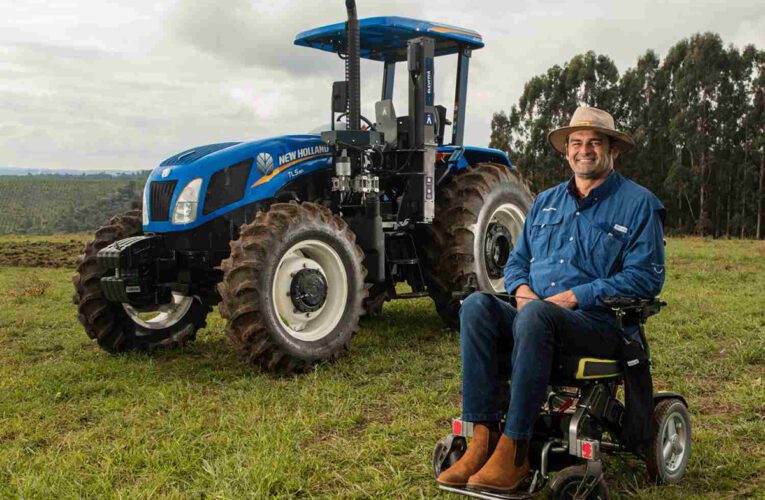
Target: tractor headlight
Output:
[(145, 208), (186, 206)]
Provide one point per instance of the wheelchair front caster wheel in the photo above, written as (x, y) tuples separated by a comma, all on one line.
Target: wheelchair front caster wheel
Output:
[(670, 445), (447, 451), (569, 484)]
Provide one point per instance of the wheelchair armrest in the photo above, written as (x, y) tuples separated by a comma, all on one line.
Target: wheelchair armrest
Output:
[(634, 307)]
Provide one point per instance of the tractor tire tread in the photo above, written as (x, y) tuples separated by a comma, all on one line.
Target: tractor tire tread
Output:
[(241, 294)]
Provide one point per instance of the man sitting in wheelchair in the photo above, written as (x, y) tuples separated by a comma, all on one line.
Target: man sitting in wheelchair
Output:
[(586, 245)]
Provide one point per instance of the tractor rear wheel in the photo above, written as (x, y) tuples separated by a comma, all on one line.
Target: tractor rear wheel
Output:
[(119, 327), (479, 218), (293, 288)]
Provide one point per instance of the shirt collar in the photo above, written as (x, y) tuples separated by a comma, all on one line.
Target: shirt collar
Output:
[(601, 192)]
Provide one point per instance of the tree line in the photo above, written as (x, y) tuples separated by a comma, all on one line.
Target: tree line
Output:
[(45, 204), (697, 117)]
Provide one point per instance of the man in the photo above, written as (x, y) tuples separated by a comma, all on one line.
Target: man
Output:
[(596, 236)]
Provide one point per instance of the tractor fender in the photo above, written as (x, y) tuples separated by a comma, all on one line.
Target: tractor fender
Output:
[(460, 158)]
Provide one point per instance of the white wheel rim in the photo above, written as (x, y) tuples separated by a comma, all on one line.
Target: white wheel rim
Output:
[(511, 217), (674, 442), (163, 316), (310, 326)]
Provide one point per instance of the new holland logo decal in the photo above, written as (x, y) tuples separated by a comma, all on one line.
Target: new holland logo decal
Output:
[(265, 163), (269, 170)]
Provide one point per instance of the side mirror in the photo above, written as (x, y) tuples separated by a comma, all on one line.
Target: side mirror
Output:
[(340, 97)]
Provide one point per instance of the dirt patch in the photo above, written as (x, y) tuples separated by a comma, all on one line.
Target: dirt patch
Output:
[(34, 287), (40, 253), (676, 262)]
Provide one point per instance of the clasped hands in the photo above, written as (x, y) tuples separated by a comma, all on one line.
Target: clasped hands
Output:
[(524, 295)]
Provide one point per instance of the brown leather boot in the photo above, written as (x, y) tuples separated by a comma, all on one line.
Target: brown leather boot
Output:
[(485, 437), (505, 470)]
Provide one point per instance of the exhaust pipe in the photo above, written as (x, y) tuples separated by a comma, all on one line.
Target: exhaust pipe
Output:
[(352, 67)]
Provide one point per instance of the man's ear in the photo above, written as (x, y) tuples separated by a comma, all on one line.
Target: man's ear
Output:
[(615, 149)]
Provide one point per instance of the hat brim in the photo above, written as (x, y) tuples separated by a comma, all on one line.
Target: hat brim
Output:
[(557, 138)]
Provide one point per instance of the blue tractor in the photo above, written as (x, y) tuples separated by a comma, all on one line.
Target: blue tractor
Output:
[(297, 236)]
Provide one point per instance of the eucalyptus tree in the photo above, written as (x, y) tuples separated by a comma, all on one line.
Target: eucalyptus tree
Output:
[(547, 102)]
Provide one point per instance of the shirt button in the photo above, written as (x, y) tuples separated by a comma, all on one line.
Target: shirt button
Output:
[(577, 214), (571, 238), (543, 225), (552, 284), (562, 261)]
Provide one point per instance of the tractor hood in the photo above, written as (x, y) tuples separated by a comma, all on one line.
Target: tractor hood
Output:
[(215, 179)]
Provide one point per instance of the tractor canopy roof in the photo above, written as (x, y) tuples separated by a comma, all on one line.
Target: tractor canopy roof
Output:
[(385, 38)]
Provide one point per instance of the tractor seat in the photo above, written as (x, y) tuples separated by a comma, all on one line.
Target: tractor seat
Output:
[(577, 370)]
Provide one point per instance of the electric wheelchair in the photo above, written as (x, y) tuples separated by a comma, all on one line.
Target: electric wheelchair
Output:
[(583, 418)]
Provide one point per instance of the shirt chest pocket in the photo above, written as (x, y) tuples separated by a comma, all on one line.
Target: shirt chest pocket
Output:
[(545, 231), (605, 248)]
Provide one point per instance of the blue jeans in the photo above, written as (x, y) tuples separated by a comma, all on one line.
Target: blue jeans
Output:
[(499, 343)]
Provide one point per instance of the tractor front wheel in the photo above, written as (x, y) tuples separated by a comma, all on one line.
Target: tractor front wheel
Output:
[(120, 327), (293, 288)]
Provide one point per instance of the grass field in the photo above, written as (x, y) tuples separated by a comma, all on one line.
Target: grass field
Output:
[(194, 423)]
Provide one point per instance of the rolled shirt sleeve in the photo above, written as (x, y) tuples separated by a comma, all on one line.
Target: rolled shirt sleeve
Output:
[(642, 270)]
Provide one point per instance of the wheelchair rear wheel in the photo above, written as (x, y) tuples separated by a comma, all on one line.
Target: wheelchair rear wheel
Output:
[(568, 485), (670, 445)]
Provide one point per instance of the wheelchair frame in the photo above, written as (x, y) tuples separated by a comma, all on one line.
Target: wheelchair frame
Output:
[(572, 424)]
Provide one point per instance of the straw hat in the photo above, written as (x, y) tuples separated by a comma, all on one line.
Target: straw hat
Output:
[(586, 118)]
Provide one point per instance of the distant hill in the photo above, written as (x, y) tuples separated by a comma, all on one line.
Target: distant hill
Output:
[(46, 204), (66, 171)]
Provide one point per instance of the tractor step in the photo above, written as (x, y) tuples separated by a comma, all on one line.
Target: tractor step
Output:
[(404, 262), (411, 295)]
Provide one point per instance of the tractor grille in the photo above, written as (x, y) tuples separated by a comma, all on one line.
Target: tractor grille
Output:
[(227, 186), (159, 199)]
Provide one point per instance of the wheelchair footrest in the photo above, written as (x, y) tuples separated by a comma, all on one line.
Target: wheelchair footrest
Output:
[(520, 495)]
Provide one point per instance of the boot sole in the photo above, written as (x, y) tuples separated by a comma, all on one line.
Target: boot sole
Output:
[(497, 489), (452, 485)]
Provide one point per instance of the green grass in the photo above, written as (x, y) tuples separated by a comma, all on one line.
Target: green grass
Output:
[(77, 422)]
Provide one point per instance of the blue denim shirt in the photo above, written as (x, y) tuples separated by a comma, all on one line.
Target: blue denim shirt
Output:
[(610, 243)]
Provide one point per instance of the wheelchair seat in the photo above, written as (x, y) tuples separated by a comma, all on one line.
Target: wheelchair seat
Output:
[(580, 369), (574, 370)]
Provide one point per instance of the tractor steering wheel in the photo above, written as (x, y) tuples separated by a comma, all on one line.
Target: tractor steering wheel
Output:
[(370, 125)]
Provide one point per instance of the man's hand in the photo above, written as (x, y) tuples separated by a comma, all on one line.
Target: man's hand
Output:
[(565, 299), (524, 295)]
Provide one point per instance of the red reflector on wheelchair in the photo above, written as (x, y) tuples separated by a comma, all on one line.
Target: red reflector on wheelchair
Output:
[(586, 449), (457, 427), (566, 404)]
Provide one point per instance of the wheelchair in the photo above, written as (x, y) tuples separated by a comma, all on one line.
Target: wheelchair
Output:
[(582, 419)]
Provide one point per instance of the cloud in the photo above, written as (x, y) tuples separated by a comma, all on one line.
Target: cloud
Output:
[(92, 84), (260, 34)]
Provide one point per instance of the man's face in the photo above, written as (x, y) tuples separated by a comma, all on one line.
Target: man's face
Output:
[(589, 154)]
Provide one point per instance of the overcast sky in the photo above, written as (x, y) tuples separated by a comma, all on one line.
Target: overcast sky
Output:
[(124, 84)]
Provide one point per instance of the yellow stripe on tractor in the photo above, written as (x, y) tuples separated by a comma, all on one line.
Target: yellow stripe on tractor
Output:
[(284, 167)]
